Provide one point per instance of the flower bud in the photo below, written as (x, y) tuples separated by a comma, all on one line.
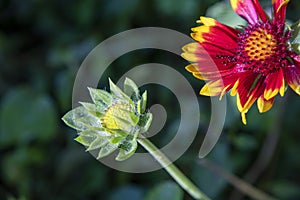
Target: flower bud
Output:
[(113, 121)]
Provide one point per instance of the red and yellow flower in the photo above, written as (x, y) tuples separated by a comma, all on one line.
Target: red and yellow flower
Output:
[(254, 63)]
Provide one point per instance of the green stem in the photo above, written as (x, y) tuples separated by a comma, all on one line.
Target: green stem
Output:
[(179, 177)]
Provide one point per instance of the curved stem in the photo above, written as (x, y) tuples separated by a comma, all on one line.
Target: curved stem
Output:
[(178, 176)]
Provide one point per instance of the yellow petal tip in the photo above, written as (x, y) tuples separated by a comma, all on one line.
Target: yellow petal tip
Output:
[(269, 94), (244, 120), (208, 21)]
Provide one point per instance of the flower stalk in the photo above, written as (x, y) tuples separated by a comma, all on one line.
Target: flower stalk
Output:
[(178, 176)]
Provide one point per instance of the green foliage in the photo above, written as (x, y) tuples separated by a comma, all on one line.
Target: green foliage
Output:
[(285, 189), (127, 192), (212, 184), (26, 114), (295, 38), (165, 190), (223, 12)]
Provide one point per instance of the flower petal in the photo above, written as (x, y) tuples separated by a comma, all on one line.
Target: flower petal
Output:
[(262, 14), (189, 52), (292, 77), (220, 86), (274, 84), (206, 59), (215, 38), (206, 66), (216, 43), (249, 87), (244, 120), (279, 7), (264, 105), (212, 88), (250, 10), (214, 32), (195, 69), (234, 90)]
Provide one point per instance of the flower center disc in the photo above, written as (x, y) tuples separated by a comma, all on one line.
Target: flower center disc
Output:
[(262, 48), (260, 45)]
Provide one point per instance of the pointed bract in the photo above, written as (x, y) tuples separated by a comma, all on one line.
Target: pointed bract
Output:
[(128, 152), (101, 97), (106, 150), (114, 89), (131, 89)]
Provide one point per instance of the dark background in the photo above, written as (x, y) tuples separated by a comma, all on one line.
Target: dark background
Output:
[(42, 44)]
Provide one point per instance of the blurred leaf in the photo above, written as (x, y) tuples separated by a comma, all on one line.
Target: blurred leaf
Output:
[(261, 123), (296, 46), (285, 190), (94, 180), (18, 164), (63, 88), (245, 142), (182, 8), (166, 190), (295, 37), (90, 181), (25, 116), (126, 192), (223, 12), (59, 56), (120, 8), (212, 184)]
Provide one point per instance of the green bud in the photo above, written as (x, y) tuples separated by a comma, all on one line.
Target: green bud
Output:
[(113, 121)]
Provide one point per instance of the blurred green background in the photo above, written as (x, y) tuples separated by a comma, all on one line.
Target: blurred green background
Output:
[(42, 44)]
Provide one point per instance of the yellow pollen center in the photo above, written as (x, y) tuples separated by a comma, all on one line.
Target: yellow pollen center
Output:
[(260, 45)]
